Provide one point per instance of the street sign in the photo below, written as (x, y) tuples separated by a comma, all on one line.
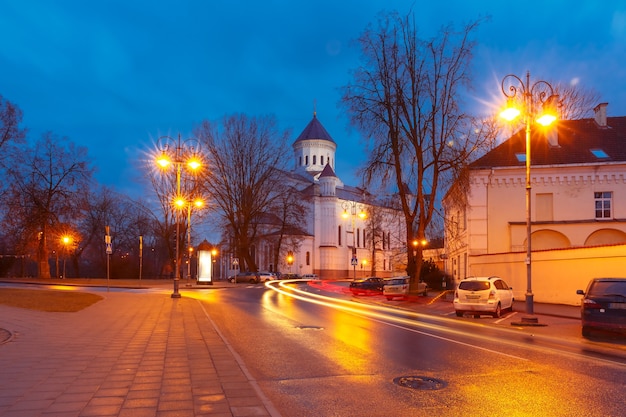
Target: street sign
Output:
[(107, 242), (354, 261)]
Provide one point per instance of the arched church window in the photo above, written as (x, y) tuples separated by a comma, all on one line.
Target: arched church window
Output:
[(306, 160), (339, 235), (314, 159), (358, 238), (321, 160), (300, 163), (308, 258)]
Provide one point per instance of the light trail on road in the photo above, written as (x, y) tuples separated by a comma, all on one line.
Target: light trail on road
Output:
[(406, 319)]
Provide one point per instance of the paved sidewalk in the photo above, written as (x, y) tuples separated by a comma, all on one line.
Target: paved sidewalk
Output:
[(136, 354), (127, 355)]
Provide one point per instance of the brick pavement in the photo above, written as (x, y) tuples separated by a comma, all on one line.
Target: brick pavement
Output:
[(131, 354)]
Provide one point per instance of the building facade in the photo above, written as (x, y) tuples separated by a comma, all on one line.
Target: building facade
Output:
[(347, 232), (578, 210)]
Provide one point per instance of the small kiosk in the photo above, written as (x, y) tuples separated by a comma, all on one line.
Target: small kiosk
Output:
[(205, 263)]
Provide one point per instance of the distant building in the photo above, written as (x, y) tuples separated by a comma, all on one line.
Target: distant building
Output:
[(578, 210), (333, 241)]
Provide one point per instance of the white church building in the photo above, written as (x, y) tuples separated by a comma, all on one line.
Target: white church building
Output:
[(348, 233)]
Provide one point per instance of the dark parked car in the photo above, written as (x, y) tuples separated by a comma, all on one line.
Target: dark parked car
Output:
[(290, 276), (603, 306), (372, 285), (249, 277)]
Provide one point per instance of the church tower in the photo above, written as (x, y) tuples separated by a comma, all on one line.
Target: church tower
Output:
[(314, 149)]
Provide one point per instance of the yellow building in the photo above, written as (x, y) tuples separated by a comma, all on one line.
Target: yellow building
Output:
[(577, 210)]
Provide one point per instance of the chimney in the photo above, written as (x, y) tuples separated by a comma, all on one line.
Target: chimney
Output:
[(600, 114)]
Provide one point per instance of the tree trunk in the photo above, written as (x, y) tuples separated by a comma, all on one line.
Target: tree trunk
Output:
[(43, 267)]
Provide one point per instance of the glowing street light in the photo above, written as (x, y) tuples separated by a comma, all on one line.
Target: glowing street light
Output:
[(178, 153), (540, 92), (290, 260), (67, 241)]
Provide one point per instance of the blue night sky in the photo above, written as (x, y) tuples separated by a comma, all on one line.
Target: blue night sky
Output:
[(112, 75)]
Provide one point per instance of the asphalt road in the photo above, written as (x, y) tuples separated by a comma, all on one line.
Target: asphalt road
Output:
[(312, 359)]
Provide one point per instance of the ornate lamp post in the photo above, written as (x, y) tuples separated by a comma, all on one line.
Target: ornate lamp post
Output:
[(213, 260), (529, 96), (355, 210), (179, 153)]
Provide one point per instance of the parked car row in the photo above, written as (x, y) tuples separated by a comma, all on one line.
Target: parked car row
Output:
[(253, 277), (603, 306), (263, 276), (397, 287)]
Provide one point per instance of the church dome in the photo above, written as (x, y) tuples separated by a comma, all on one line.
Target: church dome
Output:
[(314, 148), (314, 130)]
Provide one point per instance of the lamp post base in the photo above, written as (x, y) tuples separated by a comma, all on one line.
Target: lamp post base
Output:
[(176, 294)]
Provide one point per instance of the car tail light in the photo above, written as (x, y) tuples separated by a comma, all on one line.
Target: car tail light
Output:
[(492, 295), (590, 304)]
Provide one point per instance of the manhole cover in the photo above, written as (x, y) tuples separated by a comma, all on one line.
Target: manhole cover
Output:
[(309, 328), (420, 382)]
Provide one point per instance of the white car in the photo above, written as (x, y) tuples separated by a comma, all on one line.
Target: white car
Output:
[(483, 295), (265, 276), (398, 287)]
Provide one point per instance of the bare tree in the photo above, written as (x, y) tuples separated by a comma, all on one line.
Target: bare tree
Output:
[(376, 235), (10, 119), (246, 156), (48, 188), (11, 135), (127, 219), (406, 98), (290, 207)]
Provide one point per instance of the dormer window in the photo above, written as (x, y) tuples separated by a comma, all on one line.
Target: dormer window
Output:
[(599, 153), (521, 157)]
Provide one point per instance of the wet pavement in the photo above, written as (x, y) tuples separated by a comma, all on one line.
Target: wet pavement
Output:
[(148, 356)]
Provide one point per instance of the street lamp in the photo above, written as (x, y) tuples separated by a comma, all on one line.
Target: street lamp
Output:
[(290, 260), (66, 240), (355, 210), (198, 203), (179, 153), (213, 256), (529, 95)]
